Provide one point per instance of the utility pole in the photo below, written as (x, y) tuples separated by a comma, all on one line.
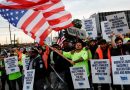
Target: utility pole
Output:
[(14, 40), (10, 33)]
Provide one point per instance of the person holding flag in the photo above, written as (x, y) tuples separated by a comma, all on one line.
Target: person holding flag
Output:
[(79, 57)]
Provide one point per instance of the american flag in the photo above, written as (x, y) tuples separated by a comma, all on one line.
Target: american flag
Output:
[(39, 22), (53, 10), (21, 4), (56, 15), (31, 22), (61, 39)]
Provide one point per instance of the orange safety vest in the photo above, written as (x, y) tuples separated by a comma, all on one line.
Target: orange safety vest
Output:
[(100, 53), (45, 57)]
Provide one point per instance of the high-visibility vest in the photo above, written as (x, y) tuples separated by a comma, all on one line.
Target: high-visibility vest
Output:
[(45, 57), (100, 53)]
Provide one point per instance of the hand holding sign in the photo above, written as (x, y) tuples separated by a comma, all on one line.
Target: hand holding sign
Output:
[(100, 71), (79, 77), (11, 64), (121, 69)]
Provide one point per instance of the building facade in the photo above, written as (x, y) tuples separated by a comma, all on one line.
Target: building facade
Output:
[(101, 16)]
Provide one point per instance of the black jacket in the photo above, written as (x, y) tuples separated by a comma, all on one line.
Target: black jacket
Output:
[(119, 51), (38, 65), (60, 64)]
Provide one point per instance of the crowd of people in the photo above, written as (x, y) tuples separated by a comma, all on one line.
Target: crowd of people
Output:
[(52, 63)]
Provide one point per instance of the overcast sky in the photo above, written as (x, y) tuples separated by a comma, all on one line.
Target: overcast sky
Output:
[(78, 9)]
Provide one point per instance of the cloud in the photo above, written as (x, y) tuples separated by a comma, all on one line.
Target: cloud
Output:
[(80, 8)]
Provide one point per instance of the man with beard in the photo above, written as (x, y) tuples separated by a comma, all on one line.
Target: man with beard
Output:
[(120, 49)]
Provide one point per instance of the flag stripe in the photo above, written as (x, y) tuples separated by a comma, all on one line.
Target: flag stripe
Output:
[(57, 10), (52, 7), (21, 4), (34, 21), (28, 20), (27, 16), (38, 25), (42, 29), (45, 34), (62, 24), (24, 1), (59, 20), (58, 15), (63, 27), (4, 2)]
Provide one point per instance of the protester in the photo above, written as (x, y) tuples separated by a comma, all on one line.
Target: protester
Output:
[(40, 71), (15, 77), (78, 56), (120, 49), (67, 45), (58, 68), (3, 76), (102, 52), (92, 46), (44, 53), (54, 71)]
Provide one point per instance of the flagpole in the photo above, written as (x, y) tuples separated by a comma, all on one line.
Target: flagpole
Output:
[(57, 74), (60, 54)]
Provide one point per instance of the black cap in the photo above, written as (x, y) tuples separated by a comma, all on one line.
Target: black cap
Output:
[(34, 50), (102, 41)]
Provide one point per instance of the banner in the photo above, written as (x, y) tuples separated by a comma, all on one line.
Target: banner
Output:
[(11, 64), (79, 77), (106, 30), (100, 69), (121, 69), (77, 32), (90, 27), (25, 61), (29, 79), (118, 23)]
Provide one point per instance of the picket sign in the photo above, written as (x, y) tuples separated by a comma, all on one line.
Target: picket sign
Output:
[(106, 31), (121, 70), (118, 23), (90, 26), (77, 32), (25, 61), (100, 69), (29, 79), (11, 64), (79, 77)]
